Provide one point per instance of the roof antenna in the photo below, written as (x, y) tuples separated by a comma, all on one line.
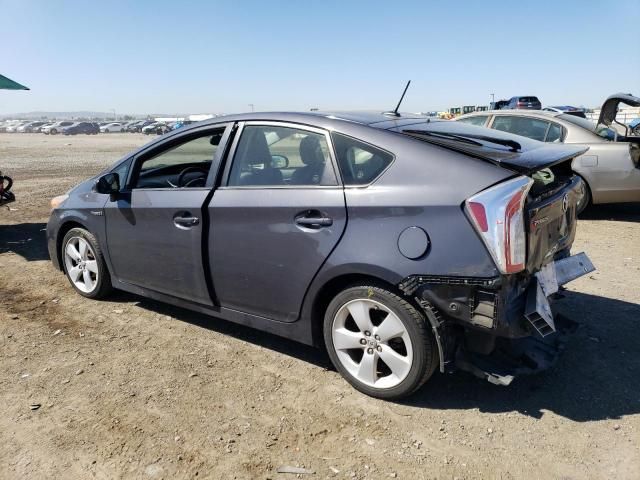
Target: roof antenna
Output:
[(395, 112)]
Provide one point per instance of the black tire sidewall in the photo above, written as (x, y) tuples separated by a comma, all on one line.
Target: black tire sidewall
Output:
[(103, 286), (416, 325), (587, 199)]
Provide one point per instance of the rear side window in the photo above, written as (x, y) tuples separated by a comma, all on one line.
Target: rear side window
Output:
[(360, 163), (479, 120), (274, 156), (525, 126), (554, 135)]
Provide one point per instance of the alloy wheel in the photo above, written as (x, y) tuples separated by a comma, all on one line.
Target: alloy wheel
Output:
[(372, 343), (81, 264)]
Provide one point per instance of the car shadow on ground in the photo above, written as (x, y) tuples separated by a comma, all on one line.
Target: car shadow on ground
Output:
[(623, 212), (595, 379), (29, 240), (281, 345)]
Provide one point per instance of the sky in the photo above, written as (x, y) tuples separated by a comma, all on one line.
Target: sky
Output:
[(221, 56)]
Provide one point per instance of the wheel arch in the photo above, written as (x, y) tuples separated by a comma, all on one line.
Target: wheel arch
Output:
[(62, 231)]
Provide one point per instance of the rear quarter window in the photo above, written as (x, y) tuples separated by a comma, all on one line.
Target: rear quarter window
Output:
[(360, 163), (478, 121)]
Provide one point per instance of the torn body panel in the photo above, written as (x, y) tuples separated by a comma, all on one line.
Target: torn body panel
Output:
[(500, 327)]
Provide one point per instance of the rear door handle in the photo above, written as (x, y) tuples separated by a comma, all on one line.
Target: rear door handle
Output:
[(313, 220), (186, 222)]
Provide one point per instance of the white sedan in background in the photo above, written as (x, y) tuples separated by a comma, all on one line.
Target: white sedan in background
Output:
[(611, 167), (112, 127)]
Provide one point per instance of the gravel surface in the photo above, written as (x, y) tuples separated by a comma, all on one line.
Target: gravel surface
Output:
[(131, 388)]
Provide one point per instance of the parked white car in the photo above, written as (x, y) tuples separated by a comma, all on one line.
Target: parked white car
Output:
[(56, 127), (112, 127), (14, 127), (611, 167)]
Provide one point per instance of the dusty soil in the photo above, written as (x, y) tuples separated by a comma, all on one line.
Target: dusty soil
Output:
[(130, 388)]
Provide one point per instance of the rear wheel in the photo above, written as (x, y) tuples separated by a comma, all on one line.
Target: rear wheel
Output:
[(585, 200), (84, 264), (379, 342)]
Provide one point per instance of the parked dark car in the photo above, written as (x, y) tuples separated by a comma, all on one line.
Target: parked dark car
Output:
[(141, 125), (133, 126), (88, 128), (525, 103), (401, 244), (499, 105)]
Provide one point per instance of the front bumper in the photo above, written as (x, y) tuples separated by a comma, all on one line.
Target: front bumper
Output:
[(500, 327)]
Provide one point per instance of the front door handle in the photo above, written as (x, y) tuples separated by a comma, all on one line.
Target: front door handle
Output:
[(186, 222), (313, 219)]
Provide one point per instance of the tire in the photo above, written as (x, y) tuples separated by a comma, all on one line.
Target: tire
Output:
[(586, 199), (89, 261), (406, 342)]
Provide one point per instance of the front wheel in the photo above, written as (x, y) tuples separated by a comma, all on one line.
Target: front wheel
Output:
[(84, 264), (379, 342)]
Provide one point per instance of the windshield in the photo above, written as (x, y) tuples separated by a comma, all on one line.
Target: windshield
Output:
[(600, 130)]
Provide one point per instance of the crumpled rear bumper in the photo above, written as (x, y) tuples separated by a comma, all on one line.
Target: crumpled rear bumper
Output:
[(499, 328), (520, 356)]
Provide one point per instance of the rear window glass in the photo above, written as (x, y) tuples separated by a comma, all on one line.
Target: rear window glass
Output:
[(360, 163), (528, 99), (581, 122)]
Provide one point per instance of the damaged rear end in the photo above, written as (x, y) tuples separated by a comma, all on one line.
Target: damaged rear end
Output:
[(504, 326)]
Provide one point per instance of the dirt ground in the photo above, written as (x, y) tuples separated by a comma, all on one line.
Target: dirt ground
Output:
[(131, 388)]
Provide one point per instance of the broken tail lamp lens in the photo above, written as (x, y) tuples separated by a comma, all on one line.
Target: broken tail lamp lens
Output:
[(498, 216), (57, 201)]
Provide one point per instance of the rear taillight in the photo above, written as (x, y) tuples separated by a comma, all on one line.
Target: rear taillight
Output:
[(498, 215)]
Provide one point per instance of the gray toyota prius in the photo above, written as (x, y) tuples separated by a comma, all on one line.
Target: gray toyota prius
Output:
[(401, 244)]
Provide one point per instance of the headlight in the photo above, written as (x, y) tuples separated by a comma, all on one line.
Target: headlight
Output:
[(57, 201)]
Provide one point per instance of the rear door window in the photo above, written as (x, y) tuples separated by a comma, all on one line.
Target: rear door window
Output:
[(273, 156), (525, 126), (360, 163), (479, 120)]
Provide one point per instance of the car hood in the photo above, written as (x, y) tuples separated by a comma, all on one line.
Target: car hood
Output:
[(520, 154), (609, 108)]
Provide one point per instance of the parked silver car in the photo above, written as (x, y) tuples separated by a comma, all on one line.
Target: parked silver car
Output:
[(610, 168)]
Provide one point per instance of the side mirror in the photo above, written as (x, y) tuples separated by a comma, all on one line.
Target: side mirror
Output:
[(108, 184), (279, 161)]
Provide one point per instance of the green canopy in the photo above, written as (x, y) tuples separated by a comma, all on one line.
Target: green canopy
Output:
[(8, 84)]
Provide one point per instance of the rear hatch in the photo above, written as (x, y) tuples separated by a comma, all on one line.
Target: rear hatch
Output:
[(550, 208), (551, 214)]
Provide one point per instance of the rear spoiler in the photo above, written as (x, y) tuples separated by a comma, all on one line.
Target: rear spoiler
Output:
[(514, 152)]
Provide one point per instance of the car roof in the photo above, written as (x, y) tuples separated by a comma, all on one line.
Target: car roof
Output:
[(325, 119)]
